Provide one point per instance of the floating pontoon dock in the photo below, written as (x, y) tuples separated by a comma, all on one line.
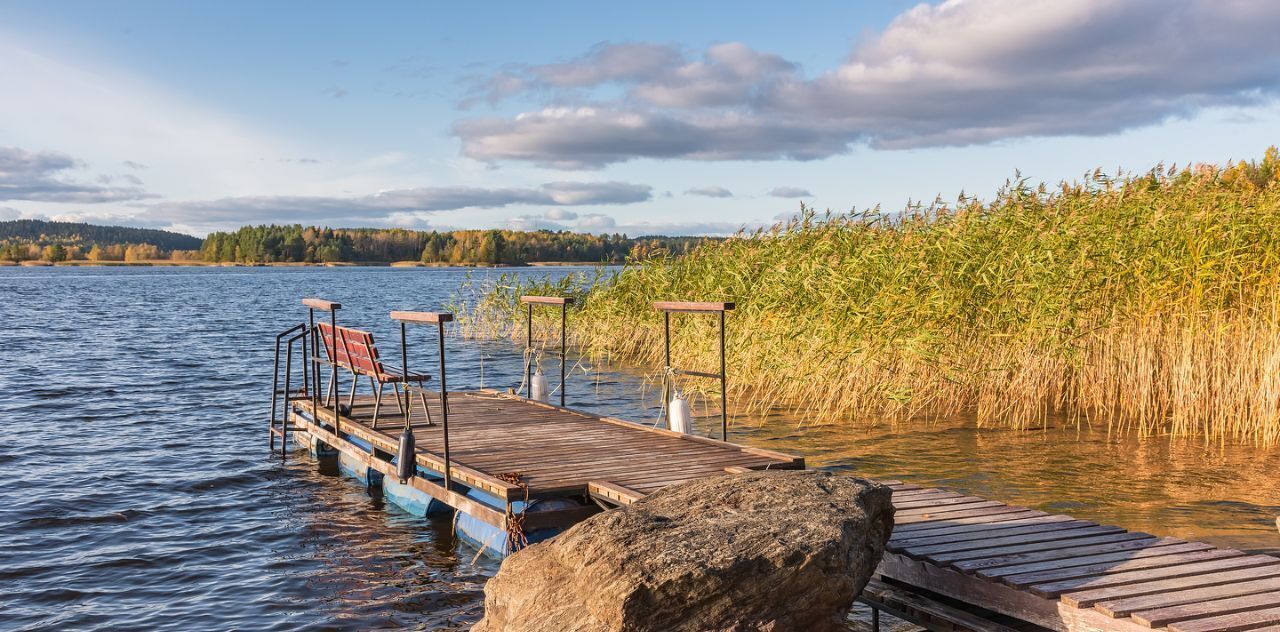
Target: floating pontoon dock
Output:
[(516, 449), (1067, 574), (513, 466)]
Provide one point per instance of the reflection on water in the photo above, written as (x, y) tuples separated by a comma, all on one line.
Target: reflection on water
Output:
[(138, 490)]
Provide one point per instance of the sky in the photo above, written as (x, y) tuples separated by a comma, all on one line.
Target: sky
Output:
[(637, 118)]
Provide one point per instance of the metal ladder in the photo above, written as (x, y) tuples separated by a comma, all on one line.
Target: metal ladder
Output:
[(286, 339)]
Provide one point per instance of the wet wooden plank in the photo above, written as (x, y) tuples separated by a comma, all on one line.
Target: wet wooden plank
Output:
[(959, 514), (1231, 622), (1124, 606), (1067, 546), (941, 508), (1087, 598), (1040, 537), (1056, 588), (904, 529), (989, 533), (1162, 617), (1117, 557), (1119, 564), (971, 566), (952, 530)]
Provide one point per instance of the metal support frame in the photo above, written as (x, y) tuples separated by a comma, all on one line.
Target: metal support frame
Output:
[(564, 303), (669, 307), (302, 333), (438, 319)]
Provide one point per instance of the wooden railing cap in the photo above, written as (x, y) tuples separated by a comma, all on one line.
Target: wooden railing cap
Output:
[(692, 307), (321, 304), (422, 317), (548, 300)]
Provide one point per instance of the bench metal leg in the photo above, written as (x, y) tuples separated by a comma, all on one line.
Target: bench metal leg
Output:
[(427, 411), (377, 399), (351, 399), (328, 395), (399, 402)]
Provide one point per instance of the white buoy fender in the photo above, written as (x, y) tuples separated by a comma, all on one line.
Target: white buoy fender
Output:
[(406, 459), (678, 414), (538, 388)]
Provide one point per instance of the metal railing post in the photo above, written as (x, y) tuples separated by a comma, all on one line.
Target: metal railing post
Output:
[(724, 387), (666, 355), (333, 376), (444, 409), (528, 346), (564, 316), (314, 367)]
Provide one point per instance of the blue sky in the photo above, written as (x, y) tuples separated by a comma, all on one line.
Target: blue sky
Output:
[(693, 118)]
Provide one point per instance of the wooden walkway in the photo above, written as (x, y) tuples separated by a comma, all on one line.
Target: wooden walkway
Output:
[(496, 439), (1068, 574)]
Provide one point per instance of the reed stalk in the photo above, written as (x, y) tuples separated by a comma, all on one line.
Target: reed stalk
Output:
[(1148, 303)]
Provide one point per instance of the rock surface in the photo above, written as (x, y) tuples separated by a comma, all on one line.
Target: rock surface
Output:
[(758, 551)]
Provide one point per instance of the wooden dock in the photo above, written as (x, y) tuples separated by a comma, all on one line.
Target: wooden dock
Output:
[(518, 449), (1053, 571), (1067, 574)]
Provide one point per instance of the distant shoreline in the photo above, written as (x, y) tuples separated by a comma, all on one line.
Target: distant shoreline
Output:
[(334, 264)]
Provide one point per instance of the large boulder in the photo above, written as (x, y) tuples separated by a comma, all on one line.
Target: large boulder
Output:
[(781, 550)]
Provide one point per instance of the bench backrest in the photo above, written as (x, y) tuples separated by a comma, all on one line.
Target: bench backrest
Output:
[(351, 348)]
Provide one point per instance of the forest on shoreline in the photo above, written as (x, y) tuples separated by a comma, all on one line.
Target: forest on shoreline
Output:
[(38, 241)]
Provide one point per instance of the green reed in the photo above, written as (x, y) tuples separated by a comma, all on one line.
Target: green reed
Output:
[(1145, 302)]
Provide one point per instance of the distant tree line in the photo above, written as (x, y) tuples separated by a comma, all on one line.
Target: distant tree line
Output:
[(23, 240), (299, 244), (31, 239)]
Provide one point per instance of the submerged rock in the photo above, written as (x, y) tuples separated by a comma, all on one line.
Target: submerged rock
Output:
[(758, 551)]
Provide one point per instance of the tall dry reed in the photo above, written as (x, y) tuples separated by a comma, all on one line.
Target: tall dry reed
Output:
[(1147, 303)]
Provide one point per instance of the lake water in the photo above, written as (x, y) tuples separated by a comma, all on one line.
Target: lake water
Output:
[(138, 491)]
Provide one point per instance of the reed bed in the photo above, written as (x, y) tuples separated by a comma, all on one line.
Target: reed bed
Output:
[(1148, 303)]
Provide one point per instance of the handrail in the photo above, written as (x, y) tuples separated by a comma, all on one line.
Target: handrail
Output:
[(301, 329), (690, 307), (438, 319), (321, 304), (422, 317), (564, 302)]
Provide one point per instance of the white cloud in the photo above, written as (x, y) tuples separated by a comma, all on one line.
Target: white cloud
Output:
[(960, 72), (560, 214), (712, 191), (42, 176), (400, 206), (790, 192)]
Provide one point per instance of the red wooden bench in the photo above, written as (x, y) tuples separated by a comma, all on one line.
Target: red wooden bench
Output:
[(354, 350)]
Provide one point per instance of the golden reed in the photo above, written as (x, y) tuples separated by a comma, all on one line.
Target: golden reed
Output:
[(1148, 303)]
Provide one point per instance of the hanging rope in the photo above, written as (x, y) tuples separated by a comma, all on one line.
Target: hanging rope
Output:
[(532, 358), (516, 539)]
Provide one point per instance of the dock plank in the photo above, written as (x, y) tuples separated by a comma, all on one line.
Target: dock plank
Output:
[(1087, 598), (1119, 564), (1056, 588), (1231, 622), (1124, 606), (1162, 617)]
